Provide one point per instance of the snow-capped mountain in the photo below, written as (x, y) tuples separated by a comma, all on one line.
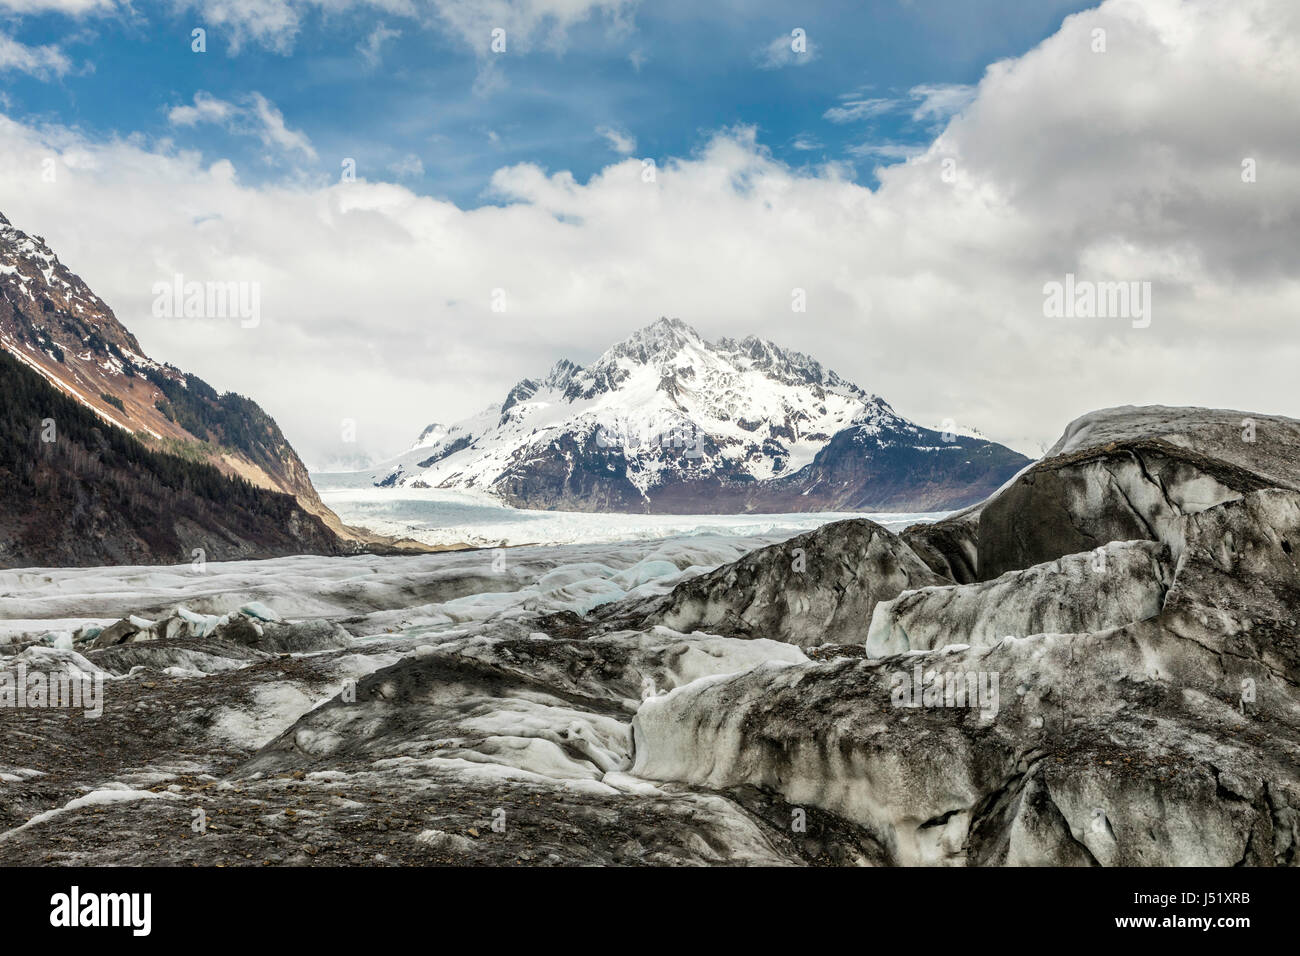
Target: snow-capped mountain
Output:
[(667, 422)]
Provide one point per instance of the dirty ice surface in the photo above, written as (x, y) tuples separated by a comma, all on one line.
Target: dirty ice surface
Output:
[(373, 594), (467, 691)]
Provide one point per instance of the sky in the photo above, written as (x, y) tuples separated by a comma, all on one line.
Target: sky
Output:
[(436, 198)]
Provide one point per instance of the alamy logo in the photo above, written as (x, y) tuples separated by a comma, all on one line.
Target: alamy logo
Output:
[(683, 437), (103, 909), (932, 688), (1084, 299), (21, 689), (179, 299)]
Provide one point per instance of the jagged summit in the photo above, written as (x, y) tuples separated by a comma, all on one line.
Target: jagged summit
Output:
[(661, 339), (673, 346)]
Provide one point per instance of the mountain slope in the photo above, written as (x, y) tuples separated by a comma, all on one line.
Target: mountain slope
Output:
[(51, 321), (666, 422), (75, 491)]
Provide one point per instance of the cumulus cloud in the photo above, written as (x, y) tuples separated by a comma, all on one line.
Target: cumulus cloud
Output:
[(255, 115), (206, 108), (1123, 166), (40, 61)]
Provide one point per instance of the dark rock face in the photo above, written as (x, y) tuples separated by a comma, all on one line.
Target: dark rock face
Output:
[(908, 470), (1117, 475), (1093, 763), (1123, 581), (1237, 590), (570, 470), (947, 547), (817, 588), (913, 469), (1121, 492), (501, 749)]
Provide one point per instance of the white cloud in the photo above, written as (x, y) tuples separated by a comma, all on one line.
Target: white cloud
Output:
[(205, 109), (787, 50), (275, 24), (940, 100), (39, 61), (491, 78), (408, 167), (1123, 166), (527, 23), (257, 116), (859, 108), (272, 24), (621, 142), (72, 8), (806, 142), (274, 133), (371, 48), (890, 152), (933, 101)]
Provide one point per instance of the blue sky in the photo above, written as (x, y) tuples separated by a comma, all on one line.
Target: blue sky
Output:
[(411, 97)]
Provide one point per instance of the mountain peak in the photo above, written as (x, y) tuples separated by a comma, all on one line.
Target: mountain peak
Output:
[(663, 337), (560, 374), (665, 324), (432, 434)]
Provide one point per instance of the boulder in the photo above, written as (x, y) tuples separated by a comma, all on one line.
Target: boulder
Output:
[(119, 633), (817, 588), (1114, 585)]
